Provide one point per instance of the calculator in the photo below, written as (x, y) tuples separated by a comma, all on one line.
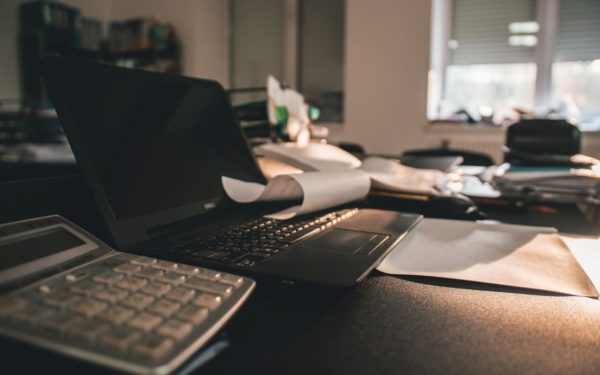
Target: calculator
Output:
[(65, 290)]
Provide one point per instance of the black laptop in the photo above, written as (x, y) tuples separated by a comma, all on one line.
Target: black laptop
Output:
[(154, 148)]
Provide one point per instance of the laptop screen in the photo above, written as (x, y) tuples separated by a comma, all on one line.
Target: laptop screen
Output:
[(155, 142)]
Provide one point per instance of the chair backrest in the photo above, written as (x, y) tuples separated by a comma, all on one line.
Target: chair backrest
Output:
[(469, 157), (541, 137)]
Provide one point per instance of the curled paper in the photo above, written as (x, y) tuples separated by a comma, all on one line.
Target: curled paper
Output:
[(318, 190)]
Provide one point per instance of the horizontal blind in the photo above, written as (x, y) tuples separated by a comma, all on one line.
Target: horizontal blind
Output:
[(578, 36), (481, 29)]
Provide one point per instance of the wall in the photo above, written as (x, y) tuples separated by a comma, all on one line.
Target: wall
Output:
[(257, 42), (202, 26), (387, 60), (9, 30)]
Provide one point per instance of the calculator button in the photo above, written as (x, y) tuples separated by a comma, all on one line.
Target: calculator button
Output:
[(211, 301), (145, 321), (138, 301), (111, 295), (127, 268), (61, 300), (187, 270), (87, 287), (232, 280), (132, 283), (86, 329), (120, 338), (150, 273), (164, 307), (88, 307), (193, 314), (116, 314), (156, 288), (45, 289), (175, 329), (11, 304), (153, 347), (73, 277), (143, 261), (56, 322), (164, 265), (31, 314), (109, 277), (211, 287), (173, 278), (208, 274), (180, 294)]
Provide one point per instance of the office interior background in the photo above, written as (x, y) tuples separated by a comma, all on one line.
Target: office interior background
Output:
[(390, 75)]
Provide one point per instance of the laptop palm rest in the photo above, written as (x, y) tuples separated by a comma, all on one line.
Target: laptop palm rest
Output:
[(346, 241)]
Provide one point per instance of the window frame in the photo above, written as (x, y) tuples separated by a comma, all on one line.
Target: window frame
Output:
[(441, 33)]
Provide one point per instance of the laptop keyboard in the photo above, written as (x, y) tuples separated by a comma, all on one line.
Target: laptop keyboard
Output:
[(248, 244)]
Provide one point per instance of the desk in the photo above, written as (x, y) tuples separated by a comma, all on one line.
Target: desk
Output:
[(401, 325), (407, 325)]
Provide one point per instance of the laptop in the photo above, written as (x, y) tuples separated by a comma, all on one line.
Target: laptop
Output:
[(154, 148)]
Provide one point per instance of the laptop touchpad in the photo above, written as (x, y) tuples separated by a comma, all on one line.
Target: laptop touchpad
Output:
[(346, 241)]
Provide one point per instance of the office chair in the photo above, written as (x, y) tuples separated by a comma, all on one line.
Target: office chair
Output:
[(469, 157), (541, 142)]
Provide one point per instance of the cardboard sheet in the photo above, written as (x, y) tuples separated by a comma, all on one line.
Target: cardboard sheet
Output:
[(512, 255)]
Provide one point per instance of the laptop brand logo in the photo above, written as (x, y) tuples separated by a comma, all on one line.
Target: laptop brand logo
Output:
[(209, 205)]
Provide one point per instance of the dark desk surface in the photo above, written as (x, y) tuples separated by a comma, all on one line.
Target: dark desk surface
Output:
[(390, 324), (413, 325)]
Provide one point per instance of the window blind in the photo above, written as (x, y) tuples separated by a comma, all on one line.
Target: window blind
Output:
[(481, 29), (578, 36)]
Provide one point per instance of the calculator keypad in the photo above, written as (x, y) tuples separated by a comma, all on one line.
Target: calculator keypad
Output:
[(134, 308)]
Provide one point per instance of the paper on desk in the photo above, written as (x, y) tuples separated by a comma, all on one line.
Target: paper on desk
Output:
[(318, 190), (513, 255), (390, 175), (586, 251), (312, 157)]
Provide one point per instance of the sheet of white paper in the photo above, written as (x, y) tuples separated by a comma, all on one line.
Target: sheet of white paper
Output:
[(519, 256), (318, 190), (586, 250), (474, 187), (390, 175), (312, 157)]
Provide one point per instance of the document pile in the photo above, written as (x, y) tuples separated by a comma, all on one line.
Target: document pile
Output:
[(573, 185)]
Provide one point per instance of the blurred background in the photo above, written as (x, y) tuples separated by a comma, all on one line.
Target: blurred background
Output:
[(386, 74)]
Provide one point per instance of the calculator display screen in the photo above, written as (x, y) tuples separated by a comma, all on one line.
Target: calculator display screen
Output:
[(34, 246)]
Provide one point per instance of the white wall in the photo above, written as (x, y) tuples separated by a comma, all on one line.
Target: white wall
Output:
[(202, 27), (387, 61)]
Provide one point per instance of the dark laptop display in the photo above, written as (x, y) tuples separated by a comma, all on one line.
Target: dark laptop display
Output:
[(154, 147)]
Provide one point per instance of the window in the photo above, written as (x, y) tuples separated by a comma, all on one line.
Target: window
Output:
[(490, 57)]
